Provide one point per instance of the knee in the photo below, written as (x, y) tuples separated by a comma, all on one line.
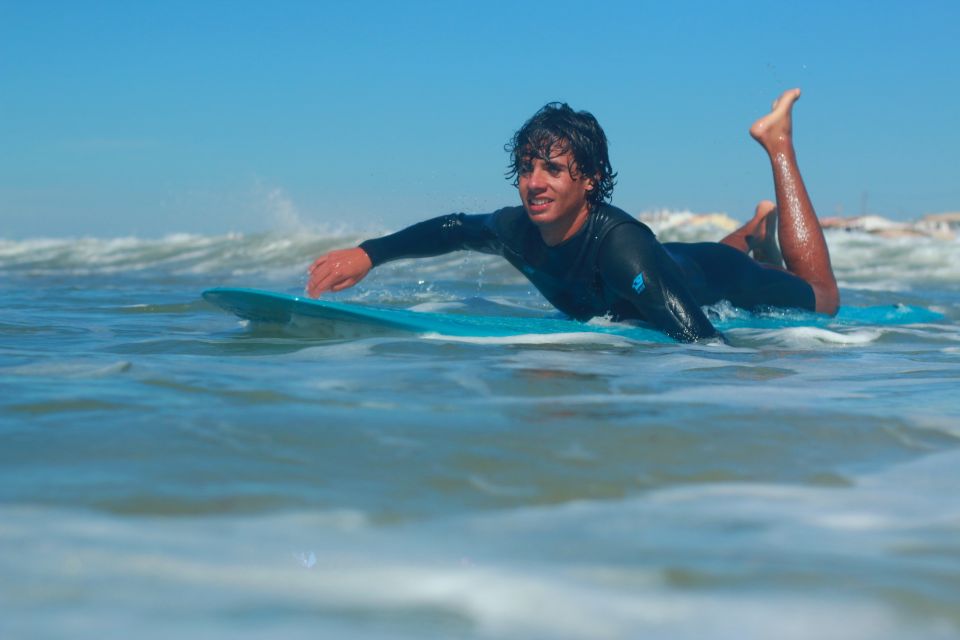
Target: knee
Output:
[(827, 298)]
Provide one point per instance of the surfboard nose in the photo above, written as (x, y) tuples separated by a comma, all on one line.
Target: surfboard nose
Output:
[(251, 304)]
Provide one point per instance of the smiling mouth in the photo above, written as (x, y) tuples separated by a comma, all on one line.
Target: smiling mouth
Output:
[(538, 204)]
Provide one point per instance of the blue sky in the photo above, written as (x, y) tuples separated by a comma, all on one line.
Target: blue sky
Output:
[(136, 118)]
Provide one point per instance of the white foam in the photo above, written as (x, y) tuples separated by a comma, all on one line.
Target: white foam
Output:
[(437, 307), (176, 253), (687, 226), (886, 264), (860, 260), (577, 338), (811, 337)]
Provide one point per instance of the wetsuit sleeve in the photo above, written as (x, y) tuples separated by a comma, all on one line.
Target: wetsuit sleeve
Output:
[(638, 269), (435, 237)]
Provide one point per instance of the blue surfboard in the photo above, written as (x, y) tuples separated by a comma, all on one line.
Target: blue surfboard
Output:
[(332, 319), (329, 318)]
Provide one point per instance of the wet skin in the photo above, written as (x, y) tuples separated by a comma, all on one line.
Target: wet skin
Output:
[(802, 244), (554, 195)]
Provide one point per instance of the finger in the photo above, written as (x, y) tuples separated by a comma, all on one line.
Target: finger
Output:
[(317, 264), (327, 281), (317, 283), (316, 286), (344, 284), (312, 290)]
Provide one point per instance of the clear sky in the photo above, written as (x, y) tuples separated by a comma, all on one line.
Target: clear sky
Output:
[(147, 118)]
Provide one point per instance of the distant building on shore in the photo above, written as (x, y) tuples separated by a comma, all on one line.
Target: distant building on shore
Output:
[(936, 225)]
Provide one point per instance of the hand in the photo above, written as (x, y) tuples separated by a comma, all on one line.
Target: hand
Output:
[(338, 270)]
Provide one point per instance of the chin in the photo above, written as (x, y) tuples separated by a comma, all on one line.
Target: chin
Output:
[(538, 218)]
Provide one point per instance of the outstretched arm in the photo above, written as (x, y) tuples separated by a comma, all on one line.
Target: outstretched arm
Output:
[(341, 269), (638, 268)]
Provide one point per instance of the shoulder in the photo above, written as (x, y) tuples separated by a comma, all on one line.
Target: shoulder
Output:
[(612, 222), (509, 222), (510, 215), (609, 216), (623, 242)]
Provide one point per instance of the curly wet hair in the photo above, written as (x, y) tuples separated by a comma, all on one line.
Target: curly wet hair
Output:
[(556, 128)]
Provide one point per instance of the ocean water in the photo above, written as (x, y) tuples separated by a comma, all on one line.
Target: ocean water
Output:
[(167, 470)]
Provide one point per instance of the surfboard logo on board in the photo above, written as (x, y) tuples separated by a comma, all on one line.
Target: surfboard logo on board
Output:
[(638, 284)]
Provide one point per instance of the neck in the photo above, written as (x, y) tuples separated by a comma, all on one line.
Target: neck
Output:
[(561, 231)]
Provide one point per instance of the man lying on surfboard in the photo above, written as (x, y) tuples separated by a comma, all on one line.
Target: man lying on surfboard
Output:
[(589, 258)]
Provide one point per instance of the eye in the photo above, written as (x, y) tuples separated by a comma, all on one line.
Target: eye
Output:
[(525, 168), (554, 169)]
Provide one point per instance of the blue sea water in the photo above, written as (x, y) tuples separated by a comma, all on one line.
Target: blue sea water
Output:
[(167, 470)]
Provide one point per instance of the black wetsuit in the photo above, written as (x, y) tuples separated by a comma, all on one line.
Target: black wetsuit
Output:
[(614, 266)]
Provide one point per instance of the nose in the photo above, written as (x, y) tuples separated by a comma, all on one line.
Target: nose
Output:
[(535, 179)]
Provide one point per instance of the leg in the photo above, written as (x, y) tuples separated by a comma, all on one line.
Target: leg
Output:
[(801, 238), (716, 271), (759, 236)]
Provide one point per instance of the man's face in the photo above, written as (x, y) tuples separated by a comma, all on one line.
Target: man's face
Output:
[(553, 190)]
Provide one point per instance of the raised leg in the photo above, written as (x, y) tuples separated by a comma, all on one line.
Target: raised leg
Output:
[(801, 238)]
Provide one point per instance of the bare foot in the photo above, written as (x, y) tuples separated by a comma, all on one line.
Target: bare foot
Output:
[(776, 128), (761, 236)]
